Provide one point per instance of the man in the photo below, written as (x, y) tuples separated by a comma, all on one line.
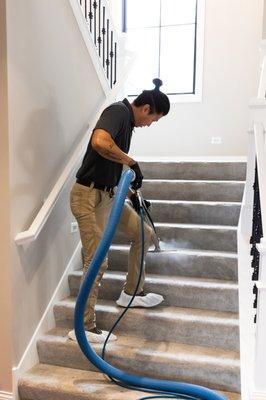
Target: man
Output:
[(92, 196)]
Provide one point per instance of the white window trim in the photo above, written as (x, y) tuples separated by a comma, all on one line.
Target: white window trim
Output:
[(197, 97)]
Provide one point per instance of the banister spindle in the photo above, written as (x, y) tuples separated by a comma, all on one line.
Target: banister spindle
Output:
[(90, 16), (104, 33), (103, 36), (99, 40), (115, 62), (107, 51), (111, 58), (95, 20), (86, 11)]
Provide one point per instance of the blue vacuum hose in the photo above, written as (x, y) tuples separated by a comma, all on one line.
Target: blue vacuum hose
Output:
[(169, 388)]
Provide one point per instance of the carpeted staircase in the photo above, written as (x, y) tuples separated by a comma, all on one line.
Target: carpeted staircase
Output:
[(194, 336)]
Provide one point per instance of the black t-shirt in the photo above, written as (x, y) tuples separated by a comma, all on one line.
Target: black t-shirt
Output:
[(118, 120)]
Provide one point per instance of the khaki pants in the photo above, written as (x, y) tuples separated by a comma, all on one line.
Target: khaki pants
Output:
[(91, 208)]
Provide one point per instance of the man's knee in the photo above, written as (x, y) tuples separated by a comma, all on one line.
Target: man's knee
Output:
[(148, 232)]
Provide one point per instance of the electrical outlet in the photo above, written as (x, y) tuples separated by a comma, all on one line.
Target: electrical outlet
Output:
[(73, 227), (216, 140)]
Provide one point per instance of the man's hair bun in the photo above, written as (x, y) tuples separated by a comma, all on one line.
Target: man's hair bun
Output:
[(158, 83), (157, 100)]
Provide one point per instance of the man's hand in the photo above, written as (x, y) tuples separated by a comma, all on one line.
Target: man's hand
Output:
[(137, 183)]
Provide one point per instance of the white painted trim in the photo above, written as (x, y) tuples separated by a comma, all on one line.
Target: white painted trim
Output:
[(200, 51), (197, 97), (47, 322), (262, 246), (263, 46), (256, 395), (257, 103), (252, 343), (260, 285), (262, 82), (6, 396), (259, 134), (187, 98)]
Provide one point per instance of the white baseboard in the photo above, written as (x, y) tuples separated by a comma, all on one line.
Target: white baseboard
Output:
[(6, 396), (256, 395), (47, 322)]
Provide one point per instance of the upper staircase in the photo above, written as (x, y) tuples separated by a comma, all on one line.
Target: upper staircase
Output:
[(194, 335)]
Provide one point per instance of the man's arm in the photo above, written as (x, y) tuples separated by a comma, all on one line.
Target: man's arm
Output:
[(103, 143)]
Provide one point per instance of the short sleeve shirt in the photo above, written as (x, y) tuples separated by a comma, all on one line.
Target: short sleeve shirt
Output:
[(118, 120)]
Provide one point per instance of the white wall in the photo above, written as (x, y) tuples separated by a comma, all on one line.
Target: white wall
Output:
[(264, 21), (233, 31), (53, 94), (5, 252)]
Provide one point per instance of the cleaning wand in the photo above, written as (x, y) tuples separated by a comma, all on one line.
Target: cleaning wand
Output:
[(136, 204)]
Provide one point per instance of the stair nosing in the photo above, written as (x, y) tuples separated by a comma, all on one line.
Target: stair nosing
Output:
[(194, 181), (60, 334), (169, 312), (196, 226), (192, 252), (175, 280), (35, 377), (198, 202)]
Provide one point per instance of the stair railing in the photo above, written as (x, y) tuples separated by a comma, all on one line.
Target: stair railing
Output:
[(101, 32), (252, 254)]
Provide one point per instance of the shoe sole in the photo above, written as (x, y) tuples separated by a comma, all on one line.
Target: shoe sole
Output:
[(140, 306), (74, 339)]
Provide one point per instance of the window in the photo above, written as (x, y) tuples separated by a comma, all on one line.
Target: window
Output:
[(165, 36)]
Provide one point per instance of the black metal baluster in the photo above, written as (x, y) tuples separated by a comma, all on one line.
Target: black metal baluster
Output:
[(104, 33), (103, 36), (95, 21), (256, 236), (255, 262), (111, 57), (256, 223), (107, 51), (86, 11), (99, 40), (90, 17), (255, 291), (115, 62)]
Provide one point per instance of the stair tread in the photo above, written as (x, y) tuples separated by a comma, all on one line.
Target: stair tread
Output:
[(196, 226), (162, 312), (193, 252), (80, 384), (198, 202), (135, 347), (194, 181), (172, 280)]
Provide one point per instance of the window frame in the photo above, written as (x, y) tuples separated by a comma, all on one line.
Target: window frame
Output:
[(196, 95)]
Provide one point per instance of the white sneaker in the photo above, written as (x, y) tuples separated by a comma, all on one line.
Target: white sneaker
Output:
[(148, 300), (94, 337)]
